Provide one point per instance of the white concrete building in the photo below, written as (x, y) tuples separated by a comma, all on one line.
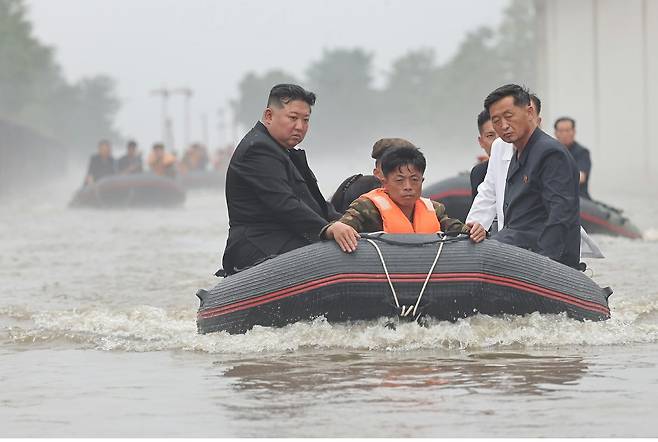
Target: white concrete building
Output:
[(598, 64)]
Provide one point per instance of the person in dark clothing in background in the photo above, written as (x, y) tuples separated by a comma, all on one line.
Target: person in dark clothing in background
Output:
[(101, 164), (565, 132), (486, 137), (131, 162), (356, 185), (274, 202), (541, 204)]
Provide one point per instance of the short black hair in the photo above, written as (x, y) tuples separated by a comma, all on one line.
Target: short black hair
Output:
[(158, 146), (483, 117), (282, 94), (561, 119), (131, 143), (520, 94), (396, 157), (537, 102)]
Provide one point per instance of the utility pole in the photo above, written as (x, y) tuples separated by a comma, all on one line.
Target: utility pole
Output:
[(221, 126), (204, 129), (167, 130), (187, 95)]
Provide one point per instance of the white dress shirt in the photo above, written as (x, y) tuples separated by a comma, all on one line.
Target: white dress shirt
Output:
[(488, 203)]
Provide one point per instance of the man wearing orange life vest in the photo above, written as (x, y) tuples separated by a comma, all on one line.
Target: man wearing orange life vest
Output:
[(397, 206), (160, 162)]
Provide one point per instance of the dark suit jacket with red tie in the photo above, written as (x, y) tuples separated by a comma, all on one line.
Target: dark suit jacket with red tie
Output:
[(541, 206)]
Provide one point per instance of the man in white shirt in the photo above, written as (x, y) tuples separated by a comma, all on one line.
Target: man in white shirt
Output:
[(488, 203)]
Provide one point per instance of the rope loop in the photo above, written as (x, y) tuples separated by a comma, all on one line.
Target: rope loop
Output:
[(411, 309)]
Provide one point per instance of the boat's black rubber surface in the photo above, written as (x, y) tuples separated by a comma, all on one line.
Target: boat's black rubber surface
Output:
[(595, 217), (135, 190), (320, 280)]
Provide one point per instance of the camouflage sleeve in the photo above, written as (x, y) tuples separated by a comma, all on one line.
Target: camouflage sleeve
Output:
[(449, 226), (362, 215)]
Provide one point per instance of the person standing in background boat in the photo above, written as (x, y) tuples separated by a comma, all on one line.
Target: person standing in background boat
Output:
[(486, 137), (274, 202), (101, 164), (397, 207), (195, 158), (131, 162), (565, 132), (541, 204), (161, 162), (356, 185)]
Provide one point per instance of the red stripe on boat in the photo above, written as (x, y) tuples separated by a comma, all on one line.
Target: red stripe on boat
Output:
[(451, 193), (368, 277), (601, 222)]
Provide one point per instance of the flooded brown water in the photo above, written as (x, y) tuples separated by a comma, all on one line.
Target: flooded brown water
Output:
[(98, 334)]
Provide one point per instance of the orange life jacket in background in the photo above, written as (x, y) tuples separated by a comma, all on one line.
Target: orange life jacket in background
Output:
[(425, 219)]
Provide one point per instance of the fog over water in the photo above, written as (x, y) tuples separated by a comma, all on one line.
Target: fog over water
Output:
[(98, 309), (97, 324)]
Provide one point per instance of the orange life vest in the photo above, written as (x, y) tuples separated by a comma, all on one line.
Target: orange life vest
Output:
[(425, 219)]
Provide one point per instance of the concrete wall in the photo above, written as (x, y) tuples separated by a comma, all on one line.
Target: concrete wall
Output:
[(599, 65)]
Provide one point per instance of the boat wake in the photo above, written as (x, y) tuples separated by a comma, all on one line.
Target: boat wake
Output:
[(146, 328)]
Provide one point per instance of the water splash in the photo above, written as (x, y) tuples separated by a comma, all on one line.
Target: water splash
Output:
[(650, 235), (146, 328)]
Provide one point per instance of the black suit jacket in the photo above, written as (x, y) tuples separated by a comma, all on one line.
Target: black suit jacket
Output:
[(274, 203), (478, 172), (541, 206)]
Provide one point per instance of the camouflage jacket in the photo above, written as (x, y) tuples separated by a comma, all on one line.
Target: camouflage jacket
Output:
[(363, 216)]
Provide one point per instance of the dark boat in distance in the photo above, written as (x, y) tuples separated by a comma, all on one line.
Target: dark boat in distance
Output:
[(133, 190), (595, 217), (411, 276)]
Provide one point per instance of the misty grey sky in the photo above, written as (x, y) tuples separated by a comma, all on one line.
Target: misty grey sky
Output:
[(208, 45)]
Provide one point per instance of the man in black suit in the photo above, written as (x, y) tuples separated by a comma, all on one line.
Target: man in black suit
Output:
[(565, 132), (274, 202), (541, 203)]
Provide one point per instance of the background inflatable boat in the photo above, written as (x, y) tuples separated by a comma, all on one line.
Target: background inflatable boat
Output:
[(595, 217), (135, 190), (466, 279)]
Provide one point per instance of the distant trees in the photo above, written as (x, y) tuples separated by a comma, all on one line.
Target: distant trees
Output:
[(34, 93), (432, 104), (253, 90)]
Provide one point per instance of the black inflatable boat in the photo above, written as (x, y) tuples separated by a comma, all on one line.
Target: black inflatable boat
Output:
[(409, 276), (595, 217), (135, 190)]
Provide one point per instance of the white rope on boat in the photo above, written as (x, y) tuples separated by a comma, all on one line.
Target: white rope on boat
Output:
[(436, 259), (388, 277), (404, 311)]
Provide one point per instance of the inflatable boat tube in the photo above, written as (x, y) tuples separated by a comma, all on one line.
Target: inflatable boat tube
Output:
[(595, 217), (135, 190), (408, 276)]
